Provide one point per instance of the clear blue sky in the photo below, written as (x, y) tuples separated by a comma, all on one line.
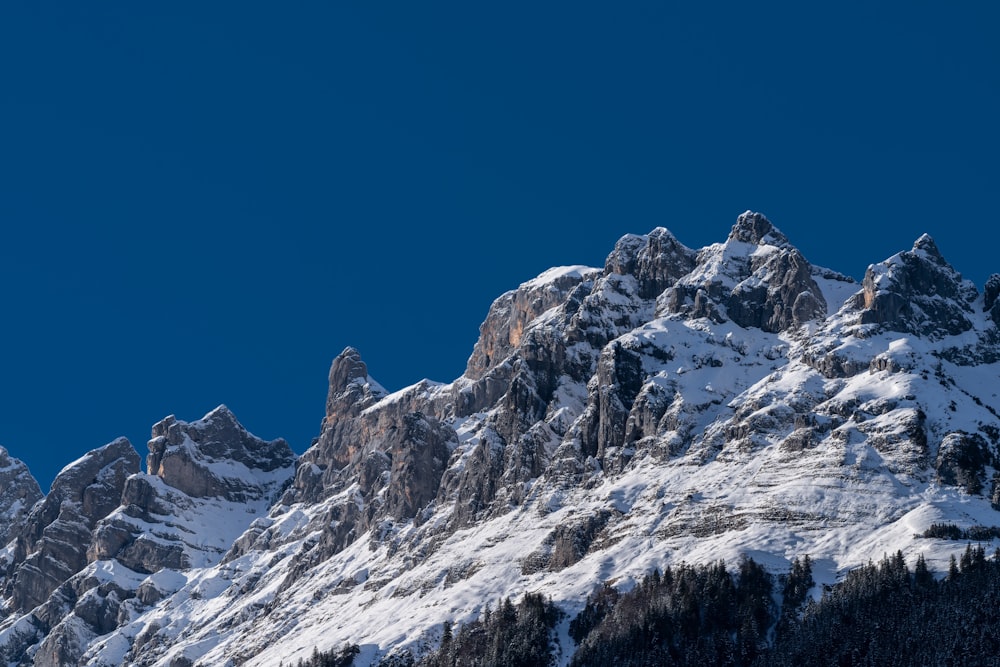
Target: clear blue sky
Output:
[(204, 203)]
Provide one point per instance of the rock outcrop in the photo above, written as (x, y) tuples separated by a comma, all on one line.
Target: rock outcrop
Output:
[(756, 279), (214, 457), (195, 469), (675, 404), (917, 292), (97, 549), (18, 494), (52, 543)]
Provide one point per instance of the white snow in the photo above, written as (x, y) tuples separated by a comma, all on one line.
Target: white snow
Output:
[(546, 277), (757, 454)]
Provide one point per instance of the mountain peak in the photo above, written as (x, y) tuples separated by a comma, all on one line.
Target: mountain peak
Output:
[(351, 388), (755, 228), (346, 369), (197, 457), (18, 493), (52, 542), (220, 412), (926, 245), (676, 404), (917, 291)]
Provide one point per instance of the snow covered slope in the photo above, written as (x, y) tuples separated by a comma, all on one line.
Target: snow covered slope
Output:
[(676, 404)]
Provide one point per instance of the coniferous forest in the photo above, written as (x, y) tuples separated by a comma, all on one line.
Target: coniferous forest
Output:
[(882, 614)]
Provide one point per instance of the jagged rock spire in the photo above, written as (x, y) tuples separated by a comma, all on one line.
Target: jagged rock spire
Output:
[(917, 291), (183, 455), (351, 388), (755, 228), (52, 544), (926, 244), (657, 260), (18, 494)]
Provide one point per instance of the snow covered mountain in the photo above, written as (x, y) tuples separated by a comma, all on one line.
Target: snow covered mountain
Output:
[(675, 404)]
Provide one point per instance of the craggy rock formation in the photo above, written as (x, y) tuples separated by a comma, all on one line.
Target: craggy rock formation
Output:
[(504, 326), (187, 456), (756, 279), (84, 551), (917, 292), (52, 544), (674, 403), (18, 493), (962, 459), (194, 468)]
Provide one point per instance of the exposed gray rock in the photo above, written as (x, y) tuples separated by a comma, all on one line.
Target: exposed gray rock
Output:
[(418, 458), (618, 381), (214, 458), (18, 494), (991, 291), (962, 459), (656, 261), (80, 610), (135, 524), (782, 294), (917, 291), (123, 537), (756, 229), (474, 486), (647, 411), (832, 365), (637, 272), (510, 315), (991, 303), (567, 544), (52, 544), (351, 388), (186, 456), (756, 279), (351, 391)]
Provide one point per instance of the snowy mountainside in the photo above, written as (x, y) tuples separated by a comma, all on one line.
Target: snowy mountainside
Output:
[(676, 404)]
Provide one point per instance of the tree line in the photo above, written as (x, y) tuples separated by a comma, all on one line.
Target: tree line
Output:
[(884, 614)]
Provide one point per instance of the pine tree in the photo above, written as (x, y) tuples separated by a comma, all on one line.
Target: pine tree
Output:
[(922, 576)]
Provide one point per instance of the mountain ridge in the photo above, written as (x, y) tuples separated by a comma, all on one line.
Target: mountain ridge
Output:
[(675, 404)]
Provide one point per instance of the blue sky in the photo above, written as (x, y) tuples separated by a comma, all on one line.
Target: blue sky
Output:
[(204, 203)]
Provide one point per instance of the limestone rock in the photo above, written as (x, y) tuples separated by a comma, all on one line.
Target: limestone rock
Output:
[(756, 229), (656, 260), (962, 459), (214, 456), (18, 494), (756, 279), (509, 316), (419, 458), (52, 544), (212, 465), (618, 382), (917, 291), (351, 388)]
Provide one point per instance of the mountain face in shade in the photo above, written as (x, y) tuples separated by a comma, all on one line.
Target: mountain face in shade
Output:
[(674, 404), (18, 493)]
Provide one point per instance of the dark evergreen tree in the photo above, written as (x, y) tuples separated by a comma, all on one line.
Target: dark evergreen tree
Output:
[(695, 616), (342, 657), (512, 635)]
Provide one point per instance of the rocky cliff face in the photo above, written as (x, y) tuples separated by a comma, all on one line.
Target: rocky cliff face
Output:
[(18, 493), (675, 404), (917, 292), (51, 545), (81, 558)]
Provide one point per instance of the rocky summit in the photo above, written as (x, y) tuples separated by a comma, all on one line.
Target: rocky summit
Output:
[(676, 404)]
